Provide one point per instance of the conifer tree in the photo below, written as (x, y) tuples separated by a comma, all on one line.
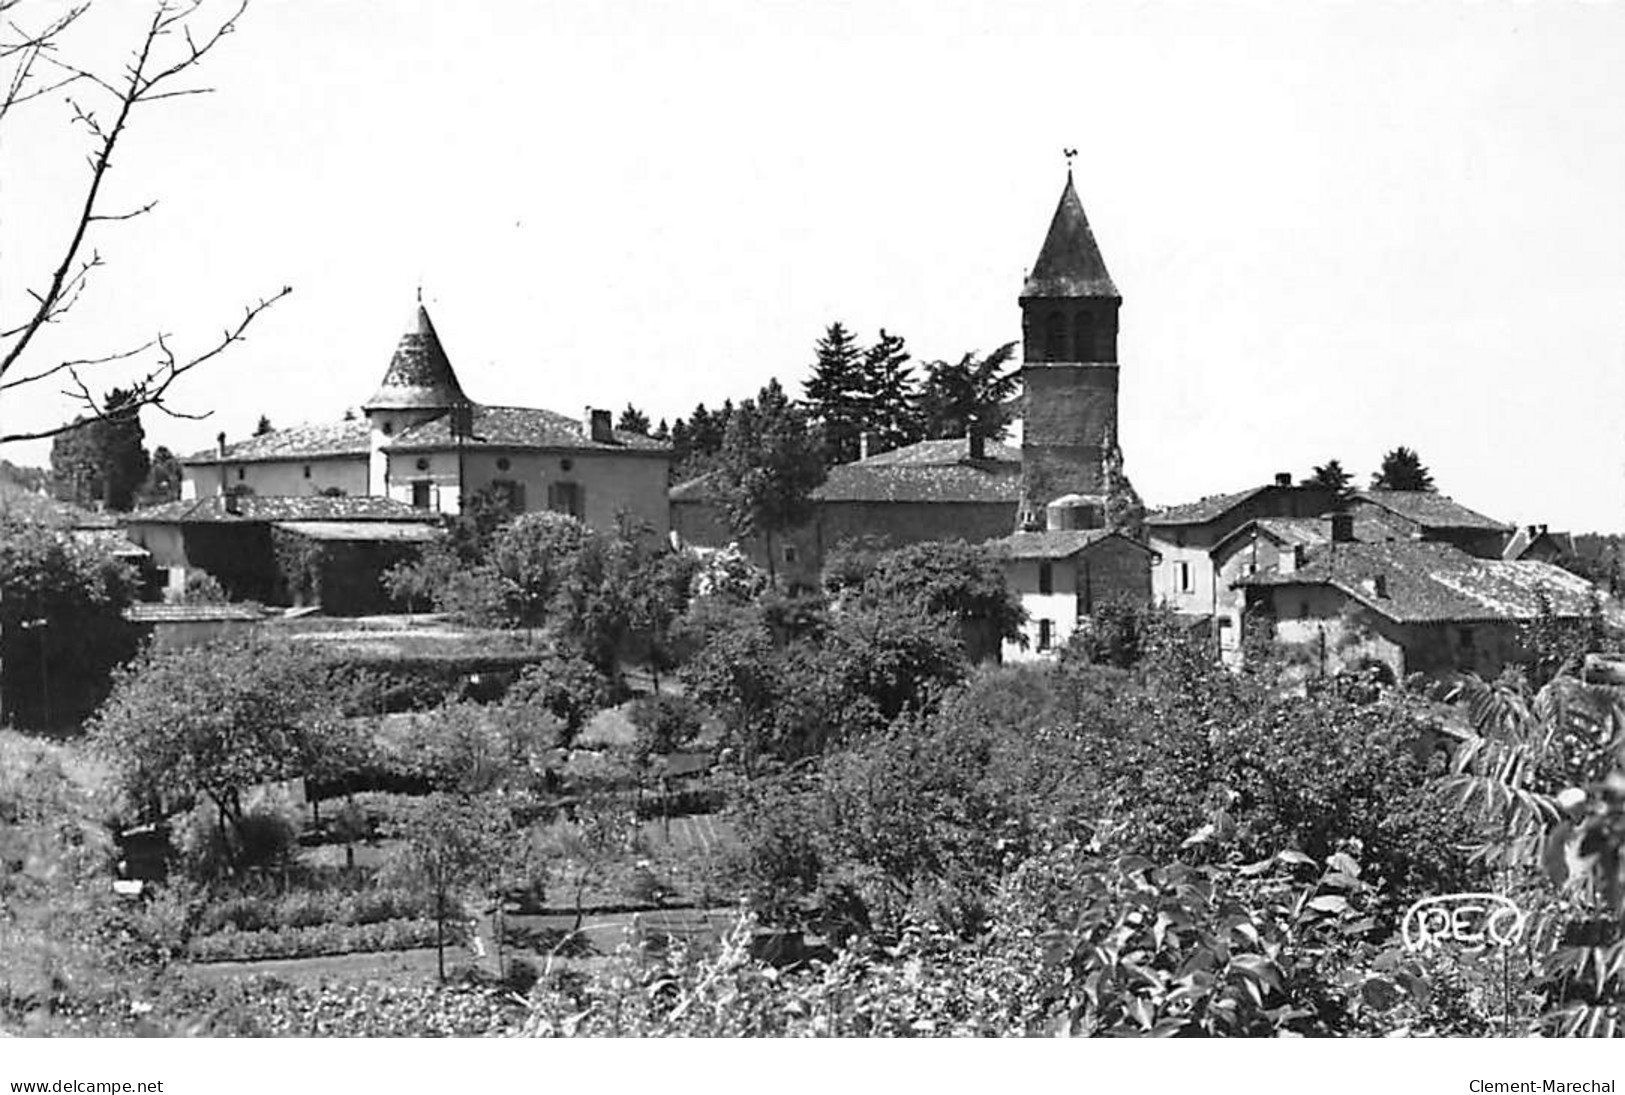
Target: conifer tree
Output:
[(969, 397), (834, 394), (633, 420), (1402, 469), (889, 395)]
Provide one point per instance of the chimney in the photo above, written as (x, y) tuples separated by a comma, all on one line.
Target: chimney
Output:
[(1342, 528), (978, 445), (863, 444), (220, 444), (1376, 585), (597, 426), (1543, 530), (1283, 479), (1291, 561)]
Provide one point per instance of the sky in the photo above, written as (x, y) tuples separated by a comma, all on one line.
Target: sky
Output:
[(1337, 228)]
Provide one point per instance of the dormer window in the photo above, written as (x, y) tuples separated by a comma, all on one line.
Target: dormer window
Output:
[(389, 429)]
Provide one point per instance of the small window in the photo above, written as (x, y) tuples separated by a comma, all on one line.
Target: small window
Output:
[(503, 463), (1046, 634), (423, 463), (789, 553), (567, 498), (1182, 577), (1303, 610), (1083, 336), (510, 494), (420, 494), (567, 464), (307, 471), (389, 429), (242, 473), (1046, 577)]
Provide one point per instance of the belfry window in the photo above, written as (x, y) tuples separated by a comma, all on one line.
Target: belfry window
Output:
[(1083, 336), (1055, 337)]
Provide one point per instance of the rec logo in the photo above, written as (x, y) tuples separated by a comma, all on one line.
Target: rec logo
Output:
[(1468, 920)]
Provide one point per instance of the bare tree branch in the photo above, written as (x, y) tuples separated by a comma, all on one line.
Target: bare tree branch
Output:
[(152, 389), (146, 77)]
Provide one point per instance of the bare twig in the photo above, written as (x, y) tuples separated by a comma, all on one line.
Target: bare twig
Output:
[(147, 77)]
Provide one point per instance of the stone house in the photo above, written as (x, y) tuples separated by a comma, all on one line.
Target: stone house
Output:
[(422, 442), (1406, 606), (1183, 538), (1432, 517), (243, 542), (952, 489), (1061, 576)]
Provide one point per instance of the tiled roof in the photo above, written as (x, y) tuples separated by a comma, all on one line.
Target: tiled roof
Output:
[(256, 507), (175, 614), (940, 453), (1202, 511), (926, 471), (1056, 544), (520, 428), (311, 442), (420, 375), (369, 531), (1436, 583), (863, 482), (1430, 510), (108, 541), (1305, 532), (697, 489), (1069, 264)]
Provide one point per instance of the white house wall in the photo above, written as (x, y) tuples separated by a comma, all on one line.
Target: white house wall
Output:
[(277, 477)]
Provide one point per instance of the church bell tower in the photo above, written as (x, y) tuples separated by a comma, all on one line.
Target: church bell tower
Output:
[(1069, 311)]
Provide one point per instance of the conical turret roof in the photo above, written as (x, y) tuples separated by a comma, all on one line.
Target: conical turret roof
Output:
[(1069, 264), (420, 375)]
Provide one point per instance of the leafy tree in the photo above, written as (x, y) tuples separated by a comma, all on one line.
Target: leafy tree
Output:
[(163, 479), (834, 393), (1402, 469), (453, 843), (211, 722), (970, 397), (633, 420), (263, 427), (602, 832), (770, 464), (62, 626), (889, 395), (1331, 476), (962, 582), (100, 461), (564, 684)]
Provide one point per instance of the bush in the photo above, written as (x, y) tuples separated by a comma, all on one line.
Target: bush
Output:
[(312, 942), (268, 832), (664, 723)]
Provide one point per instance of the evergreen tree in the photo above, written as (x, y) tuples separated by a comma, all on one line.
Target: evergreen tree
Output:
[(263, 427), (633, 420), (1402, 469), (662, 432), (770, 463), (101, 460), (1330, 476), (970, 397), (889, 395), (834, 393)]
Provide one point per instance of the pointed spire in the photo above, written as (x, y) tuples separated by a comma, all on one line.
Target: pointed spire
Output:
[(1069, 264), (419, 375)]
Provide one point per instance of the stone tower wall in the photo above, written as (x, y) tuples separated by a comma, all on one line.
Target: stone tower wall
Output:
[(1070, 418)]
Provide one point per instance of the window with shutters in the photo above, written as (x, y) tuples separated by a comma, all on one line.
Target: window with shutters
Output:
[(567, 498)]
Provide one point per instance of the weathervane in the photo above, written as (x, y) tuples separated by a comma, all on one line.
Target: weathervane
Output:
[(1069, 153)]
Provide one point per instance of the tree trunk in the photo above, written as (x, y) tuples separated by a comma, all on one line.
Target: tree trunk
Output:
[(440, 933)]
